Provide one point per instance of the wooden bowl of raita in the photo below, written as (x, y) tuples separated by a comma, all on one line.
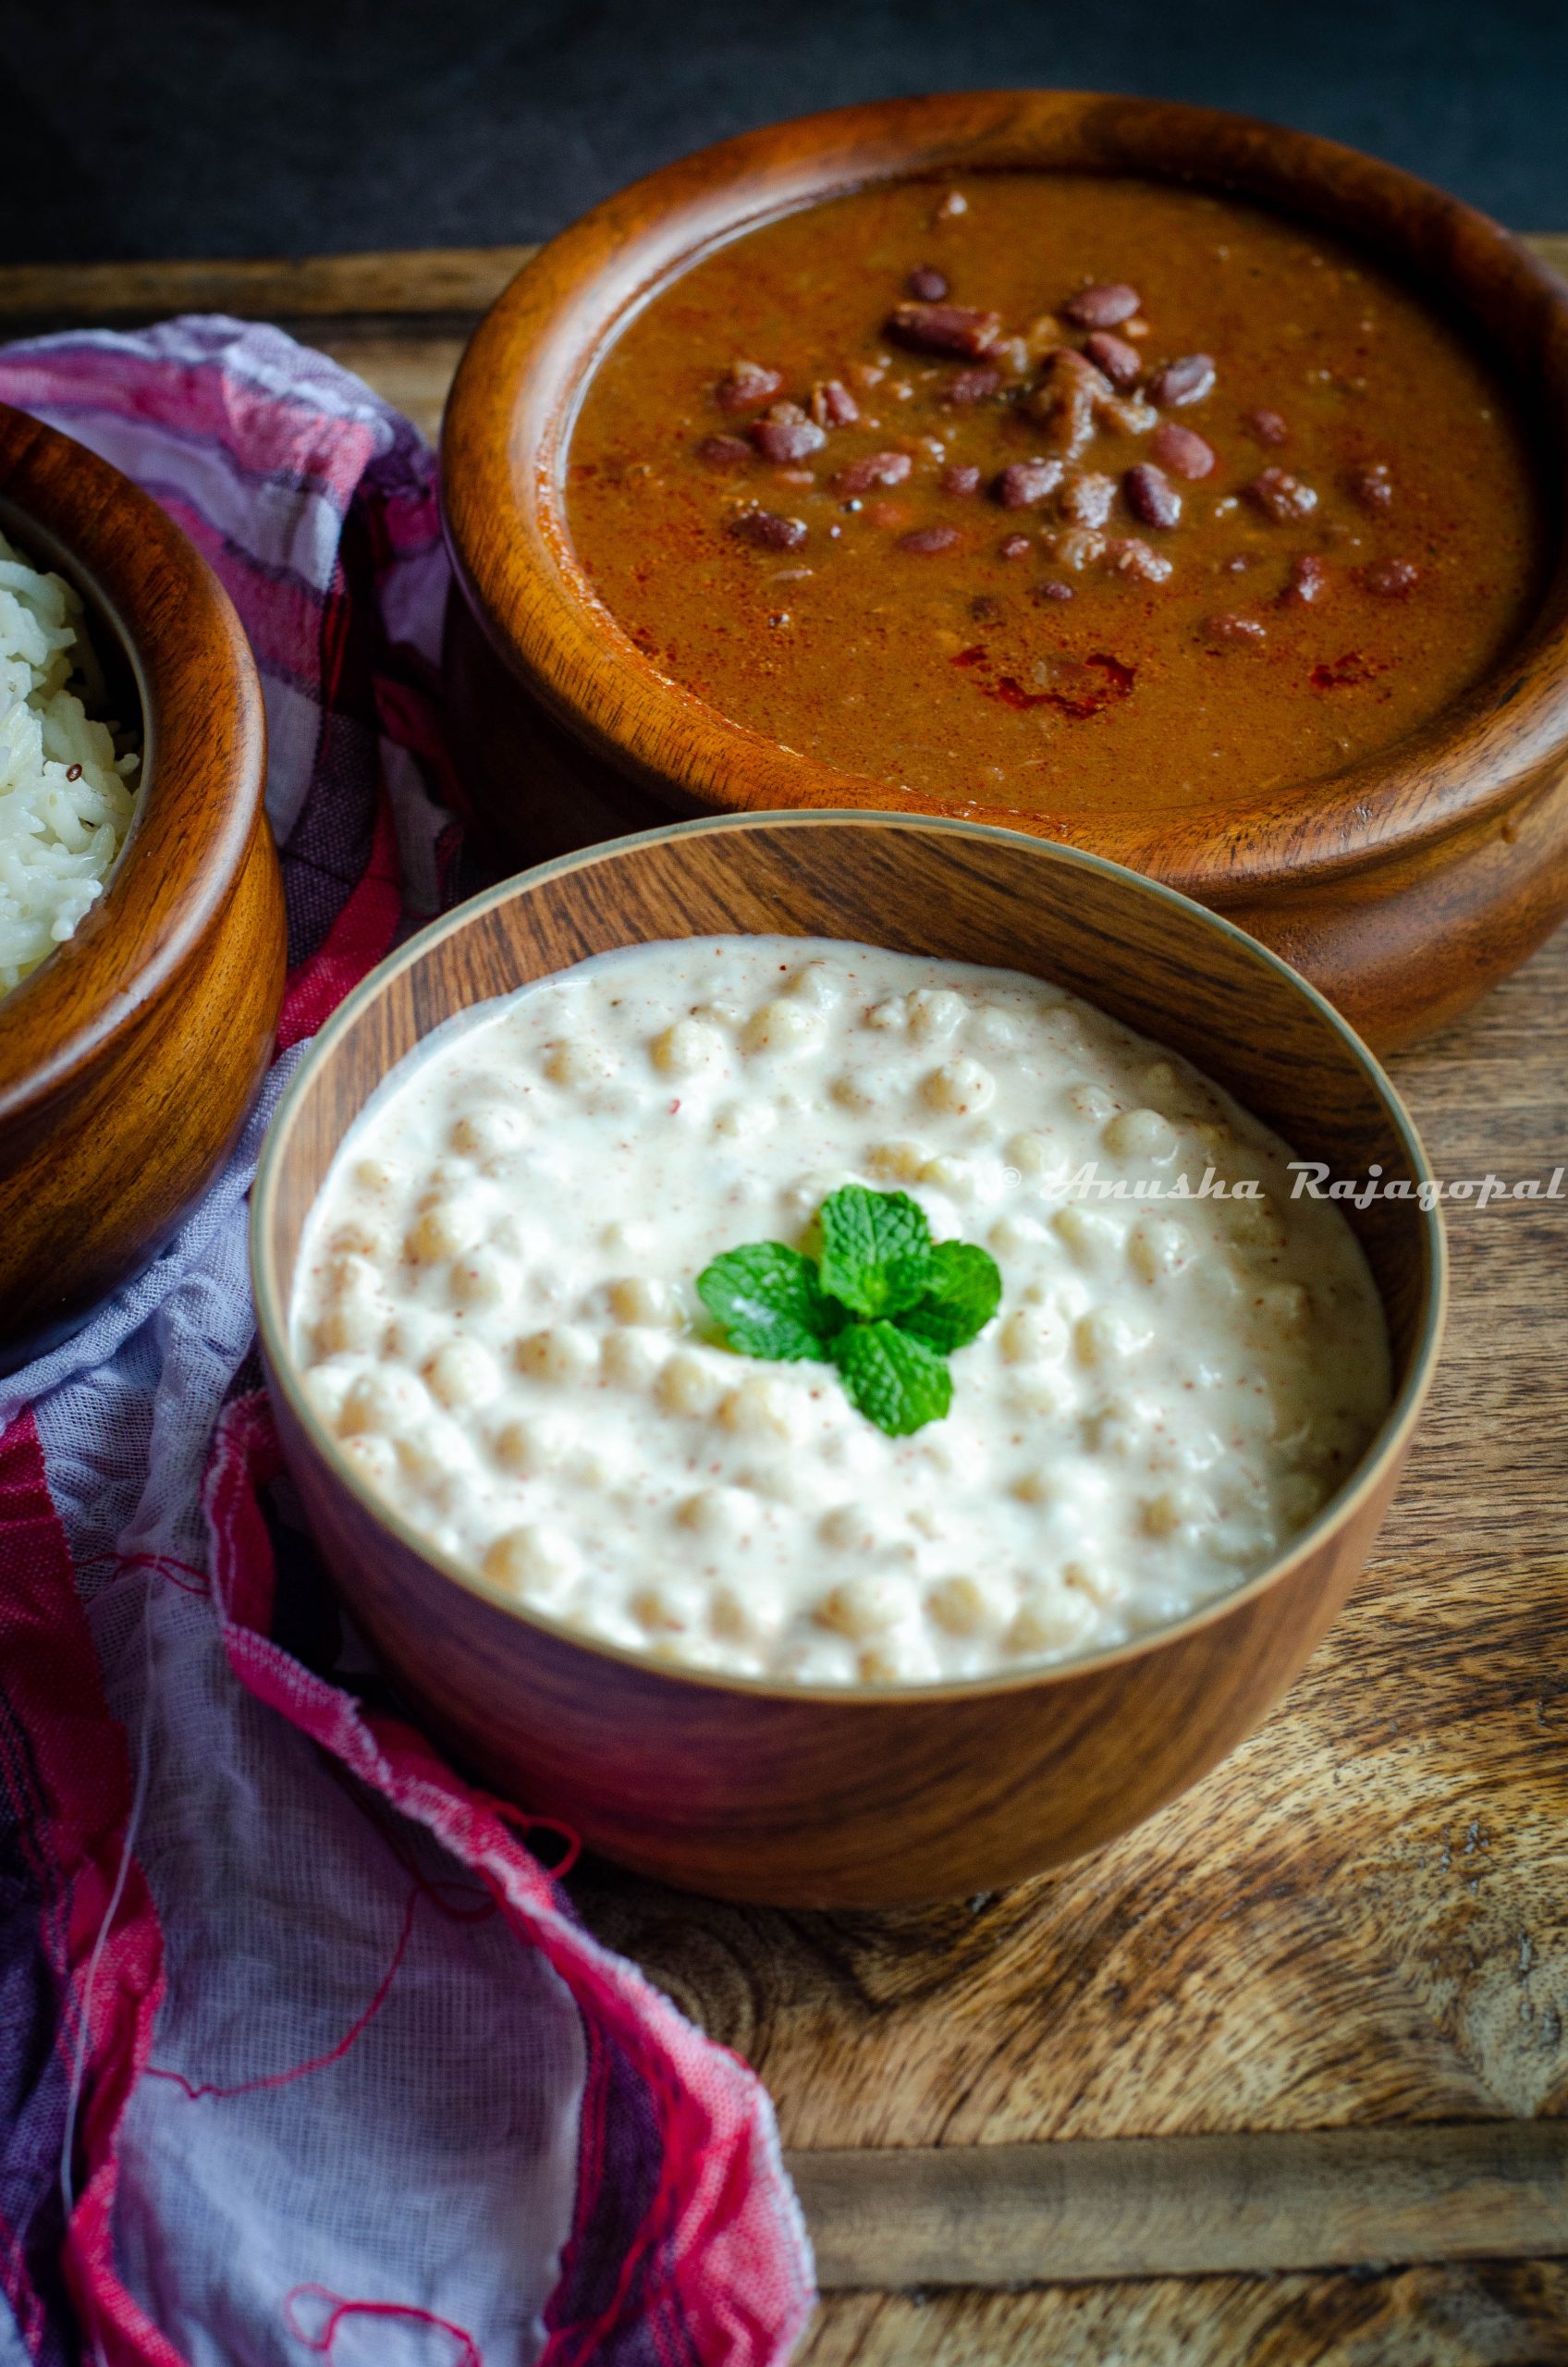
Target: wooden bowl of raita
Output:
[(848, 1358)]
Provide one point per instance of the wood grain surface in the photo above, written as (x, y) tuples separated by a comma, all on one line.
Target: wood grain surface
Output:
[(425, 284), (1152, 2206), (1491, 2314), (1358, 1923)]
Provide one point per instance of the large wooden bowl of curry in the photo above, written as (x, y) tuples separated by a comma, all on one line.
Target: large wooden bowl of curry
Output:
[(129, 1057), (1340, 715), (853, 1794)]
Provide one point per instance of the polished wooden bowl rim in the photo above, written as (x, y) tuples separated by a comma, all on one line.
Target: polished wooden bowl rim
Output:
[(198, 793), (1387, 1448), (508, 422)]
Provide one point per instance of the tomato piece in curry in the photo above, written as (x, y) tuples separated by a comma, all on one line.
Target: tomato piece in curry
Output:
[(1055, 492)]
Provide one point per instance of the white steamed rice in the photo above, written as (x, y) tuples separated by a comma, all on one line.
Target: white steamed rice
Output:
[(65, 805)]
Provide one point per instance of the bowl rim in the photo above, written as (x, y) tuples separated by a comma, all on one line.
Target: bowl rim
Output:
[(272, 1318), (201, 779), (513, 402)]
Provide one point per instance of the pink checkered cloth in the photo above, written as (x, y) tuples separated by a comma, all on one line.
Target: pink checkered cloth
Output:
[(303, 2051)]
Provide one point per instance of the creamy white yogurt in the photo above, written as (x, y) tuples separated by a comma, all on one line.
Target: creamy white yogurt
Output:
[(496, 1315)]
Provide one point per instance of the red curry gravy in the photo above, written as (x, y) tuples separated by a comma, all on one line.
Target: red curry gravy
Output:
[(1051, 491)]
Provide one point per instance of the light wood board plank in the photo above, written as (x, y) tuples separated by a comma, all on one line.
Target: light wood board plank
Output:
[(456, 282), (1183, 2206)]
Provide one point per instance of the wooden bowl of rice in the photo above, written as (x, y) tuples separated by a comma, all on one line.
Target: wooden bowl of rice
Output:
[(136, 1014)]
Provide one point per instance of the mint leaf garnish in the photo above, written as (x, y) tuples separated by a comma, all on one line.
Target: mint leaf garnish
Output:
[(875, 1249), (766, 1300), (964, 1290), (896, 1381), (886, 1304)]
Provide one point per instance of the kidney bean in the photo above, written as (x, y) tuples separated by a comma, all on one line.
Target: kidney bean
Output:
[(1080, 370), (971, 387), (945, 328), (926, 541), (1086, 500), (768, 531), (1392, 579), (1181, 451), (1104, 306), (1115, 359), (927, 284), (1373, 487), (1186, 381), (1055, 592), (724, 451), (1151, 497), (1285, 498), (1024, 483), (1267, 427), (747, 384), (1014, 546), (1230, 631), (889, 515), (787, 439), (876, 468), (963, 477), (1130, 555), (832, 405), (1309, 583)]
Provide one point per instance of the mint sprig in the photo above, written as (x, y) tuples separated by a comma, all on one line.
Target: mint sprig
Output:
[(884, 1303)]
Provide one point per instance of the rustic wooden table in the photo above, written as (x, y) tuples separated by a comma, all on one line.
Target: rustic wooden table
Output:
[(1280, 2078)]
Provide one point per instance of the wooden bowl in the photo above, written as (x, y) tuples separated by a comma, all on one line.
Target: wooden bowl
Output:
[(1402, 887), (129, 1058), (805, 1795)]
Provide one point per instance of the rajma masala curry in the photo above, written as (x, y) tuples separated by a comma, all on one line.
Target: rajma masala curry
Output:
[(1055, 491)]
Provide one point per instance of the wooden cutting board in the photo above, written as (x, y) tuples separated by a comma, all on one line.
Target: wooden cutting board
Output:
[(1280, 2078)]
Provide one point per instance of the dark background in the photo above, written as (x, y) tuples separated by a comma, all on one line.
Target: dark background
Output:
[(276, 127)]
